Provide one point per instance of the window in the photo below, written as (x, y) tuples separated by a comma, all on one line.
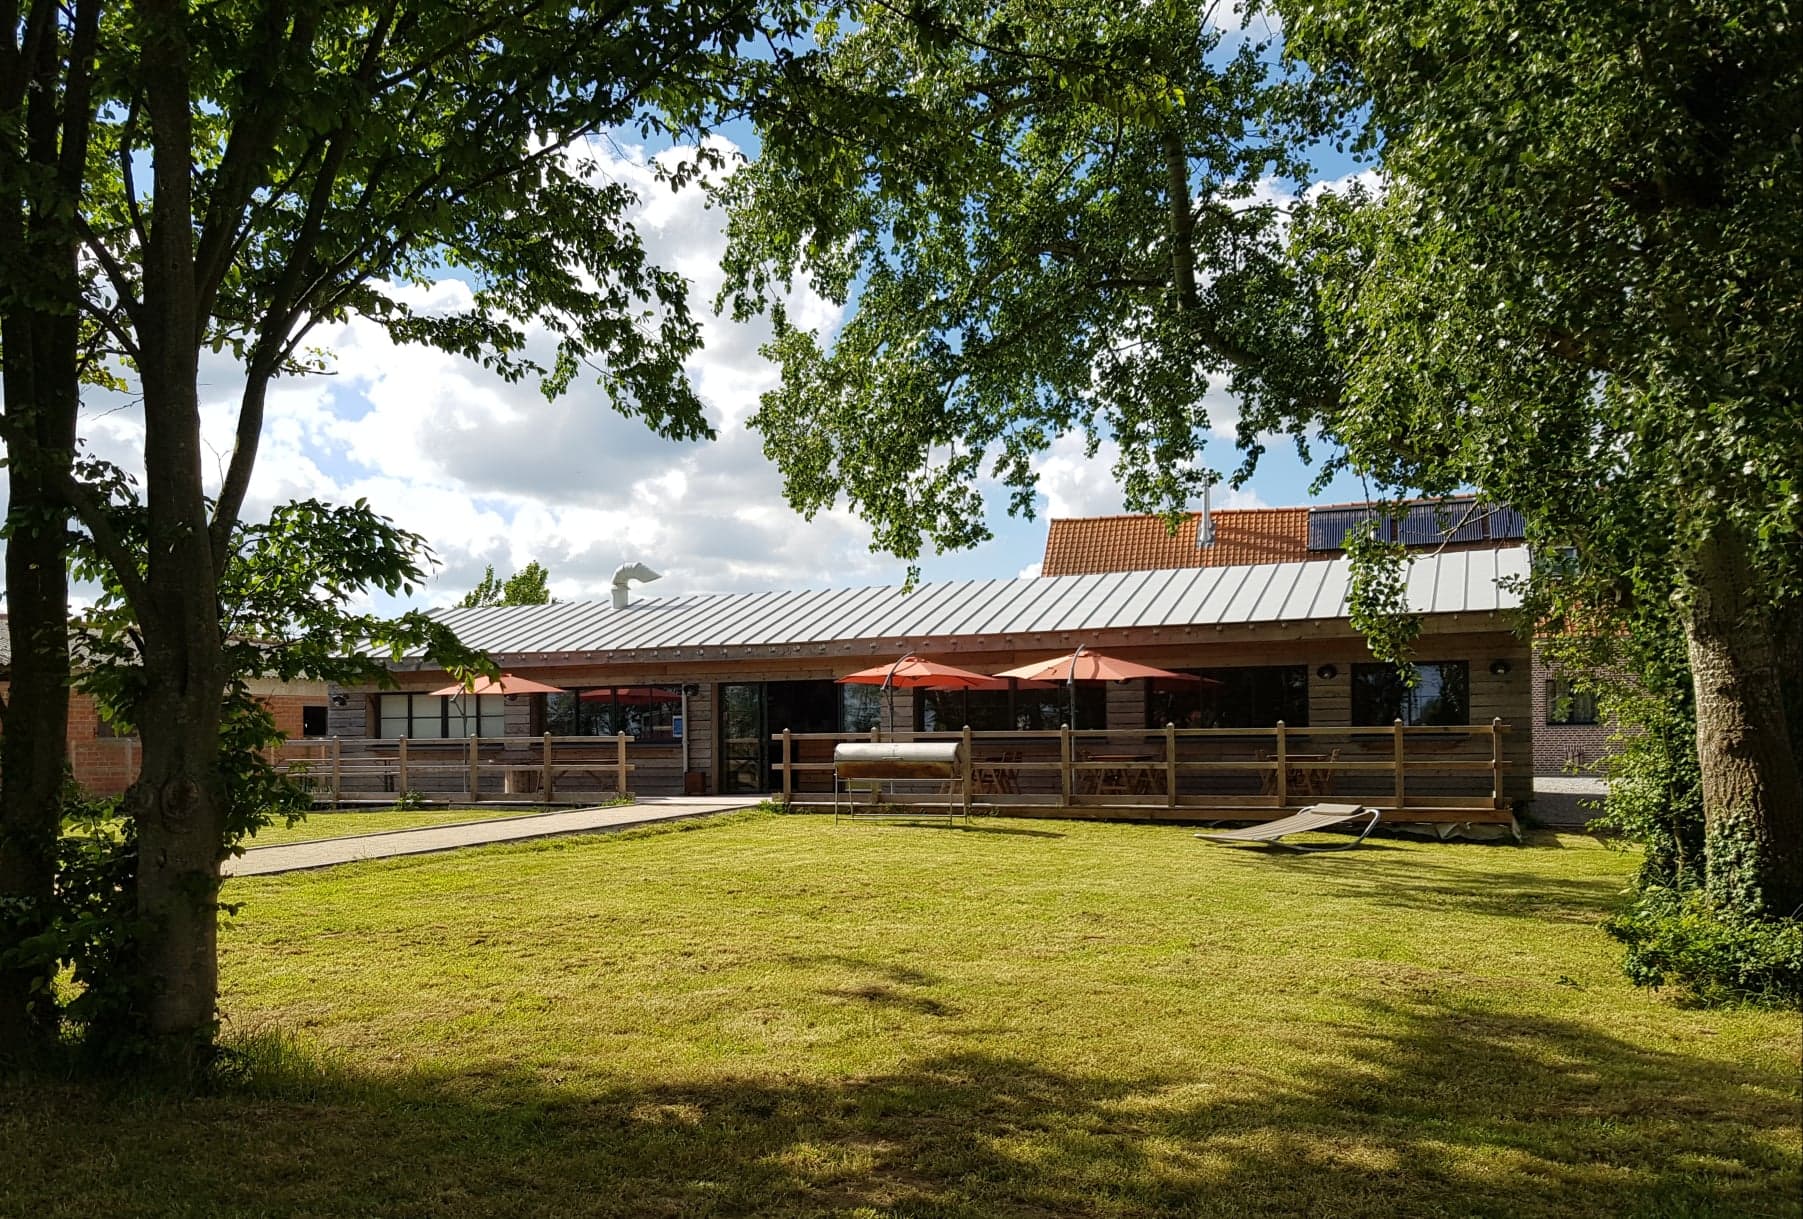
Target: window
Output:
[(646, 713), (1245, 697), (1565, 705), (860, 708), (1441, 694), (1010, 710), (426, 717), (313, 721)]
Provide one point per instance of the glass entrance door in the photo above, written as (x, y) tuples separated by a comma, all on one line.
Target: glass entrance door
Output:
[(751, 712), (744, 737)]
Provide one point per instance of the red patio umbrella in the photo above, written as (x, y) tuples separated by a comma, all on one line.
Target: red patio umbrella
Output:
[(1084, 665), (918, 673), (507, 684)]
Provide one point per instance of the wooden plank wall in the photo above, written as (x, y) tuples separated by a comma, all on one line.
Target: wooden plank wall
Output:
[(1477, 639)]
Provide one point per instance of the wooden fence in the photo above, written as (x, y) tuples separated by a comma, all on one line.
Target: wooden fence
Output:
[(528, 770), (1436, 773)]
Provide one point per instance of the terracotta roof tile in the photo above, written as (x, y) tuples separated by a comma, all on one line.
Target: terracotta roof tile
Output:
[(1081, 545)]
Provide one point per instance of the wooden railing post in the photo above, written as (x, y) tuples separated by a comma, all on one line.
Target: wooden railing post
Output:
[(546, 780), (337, 772), (1064, 761), (788, 769), (1397, 729), (1283, 765), (1170, 765), (400, 757), (1496, 765), (475, 769), (967, 768), (620, 764)]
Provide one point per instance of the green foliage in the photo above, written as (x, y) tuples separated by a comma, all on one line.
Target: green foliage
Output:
[(528, 586), (1678, 936), (1052, 219), (408, 801)]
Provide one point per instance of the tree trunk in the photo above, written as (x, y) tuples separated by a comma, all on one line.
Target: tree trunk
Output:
[(47, 100), (1752, 790), (39, 430), (179, 799)]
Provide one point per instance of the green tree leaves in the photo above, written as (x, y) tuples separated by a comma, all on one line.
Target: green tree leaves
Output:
[(1050, 219), (530, 585)]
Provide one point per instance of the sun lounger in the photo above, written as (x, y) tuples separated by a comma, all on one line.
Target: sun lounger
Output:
[(1314, 817)]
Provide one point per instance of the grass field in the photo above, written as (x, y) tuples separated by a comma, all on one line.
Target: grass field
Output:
[(320, 824), (771, 1015)]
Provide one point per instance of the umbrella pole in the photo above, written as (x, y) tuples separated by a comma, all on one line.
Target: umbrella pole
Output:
[(1070, 685)]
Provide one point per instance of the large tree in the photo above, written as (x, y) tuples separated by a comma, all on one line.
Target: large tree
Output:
[(1579, 291), (1052, 218), (48, 95), (307, 160), (1574, 290)]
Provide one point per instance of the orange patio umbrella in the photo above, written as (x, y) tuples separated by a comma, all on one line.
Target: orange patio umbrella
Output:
[(1084, 665), (913, 672), (506, 684)]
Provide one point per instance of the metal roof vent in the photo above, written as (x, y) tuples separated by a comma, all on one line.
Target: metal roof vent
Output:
[(624, 574), (1205, 523)]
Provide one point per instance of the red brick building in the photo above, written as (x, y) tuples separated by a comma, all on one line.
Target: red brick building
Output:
[(104, 762)]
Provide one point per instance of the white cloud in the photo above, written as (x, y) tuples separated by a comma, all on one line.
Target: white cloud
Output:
[(490, 472)]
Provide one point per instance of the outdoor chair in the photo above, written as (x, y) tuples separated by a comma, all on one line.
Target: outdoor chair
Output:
[(1314, 817)]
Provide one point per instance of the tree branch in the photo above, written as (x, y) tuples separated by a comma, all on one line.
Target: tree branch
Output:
[(92, 512)]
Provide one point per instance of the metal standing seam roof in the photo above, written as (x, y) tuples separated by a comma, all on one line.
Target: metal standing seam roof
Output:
[(1451, 582)]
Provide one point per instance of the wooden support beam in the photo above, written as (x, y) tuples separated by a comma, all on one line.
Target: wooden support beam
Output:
[(1398, 765)]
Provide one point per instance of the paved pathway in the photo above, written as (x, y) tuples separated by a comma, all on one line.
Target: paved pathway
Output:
[(325, 852), (1563, 800)]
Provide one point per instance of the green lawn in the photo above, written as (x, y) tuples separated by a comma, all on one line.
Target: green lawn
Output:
[(321, 824), (771, 1015)]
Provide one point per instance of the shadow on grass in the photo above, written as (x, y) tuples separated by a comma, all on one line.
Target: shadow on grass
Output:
[(1482, 883), (1423, 1111)]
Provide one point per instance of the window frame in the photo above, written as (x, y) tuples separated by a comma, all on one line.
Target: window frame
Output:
[(1410, 710), (491, 708), (1293, 716), (1559, 692), (611, 713)]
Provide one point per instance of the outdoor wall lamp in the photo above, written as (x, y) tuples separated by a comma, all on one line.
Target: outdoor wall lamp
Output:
[(1327, 672), (339, 699), (1499, 667)]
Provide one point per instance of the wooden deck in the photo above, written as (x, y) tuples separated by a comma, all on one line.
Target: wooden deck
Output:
[(1440, 774)]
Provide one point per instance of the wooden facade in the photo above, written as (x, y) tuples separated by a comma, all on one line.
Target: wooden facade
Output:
[(1498, 663)]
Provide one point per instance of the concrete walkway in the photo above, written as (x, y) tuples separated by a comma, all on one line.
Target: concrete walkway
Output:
[(326, 852), (1562, 801)]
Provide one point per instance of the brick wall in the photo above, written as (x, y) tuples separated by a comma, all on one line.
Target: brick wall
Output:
[(105, 765), (1561, 749)]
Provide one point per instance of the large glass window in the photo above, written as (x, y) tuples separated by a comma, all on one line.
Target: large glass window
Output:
[(860, 708), (1251, 696), (1565, 705), (647, 713), (1011, 710), (426, 717), (1440, 695)]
